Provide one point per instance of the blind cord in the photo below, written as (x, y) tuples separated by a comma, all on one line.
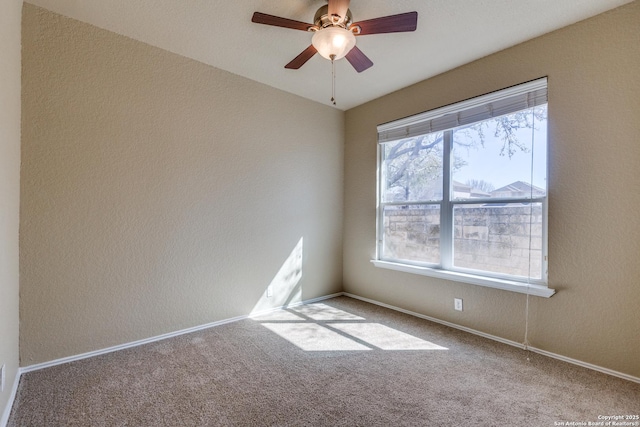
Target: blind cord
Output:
[(525, 343)]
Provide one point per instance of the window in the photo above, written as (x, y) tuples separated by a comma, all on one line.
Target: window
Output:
[(462, 191)]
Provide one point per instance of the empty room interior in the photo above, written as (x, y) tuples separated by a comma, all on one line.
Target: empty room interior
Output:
[(440, 227)]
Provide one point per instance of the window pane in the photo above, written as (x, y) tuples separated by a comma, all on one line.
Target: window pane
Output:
[(412, 233), (498, 238), (412, 169), (493, 158)]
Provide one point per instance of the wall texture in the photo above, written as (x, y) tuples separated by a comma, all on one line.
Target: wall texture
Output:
[(159, 193), (10, 16), (594, 226)]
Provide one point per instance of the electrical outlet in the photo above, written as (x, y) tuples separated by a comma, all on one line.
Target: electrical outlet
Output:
[(2, 378), (457, 304), (269, 291)]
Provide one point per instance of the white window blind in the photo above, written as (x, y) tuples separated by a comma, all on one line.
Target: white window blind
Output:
[(495, 104)]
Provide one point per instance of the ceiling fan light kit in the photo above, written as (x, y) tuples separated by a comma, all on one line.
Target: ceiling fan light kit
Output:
[(333, 43)]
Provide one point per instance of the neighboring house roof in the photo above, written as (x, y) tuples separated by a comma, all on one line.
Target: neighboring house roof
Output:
[(479, 193), (458, 186), (472, 192), (519, 187)]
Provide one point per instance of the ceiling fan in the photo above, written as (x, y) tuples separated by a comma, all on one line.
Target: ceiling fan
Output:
[(335, 32)]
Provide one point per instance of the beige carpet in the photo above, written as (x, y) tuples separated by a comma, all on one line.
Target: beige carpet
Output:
[(341, 362)]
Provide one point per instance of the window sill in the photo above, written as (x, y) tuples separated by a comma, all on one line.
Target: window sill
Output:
[(506, 285)]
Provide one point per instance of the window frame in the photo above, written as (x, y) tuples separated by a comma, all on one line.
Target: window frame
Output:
[(445, 268)]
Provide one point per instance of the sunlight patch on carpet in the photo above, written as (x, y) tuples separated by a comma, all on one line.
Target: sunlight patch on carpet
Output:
[(313, 337), (321, 311), (320, 327), (384, 337)]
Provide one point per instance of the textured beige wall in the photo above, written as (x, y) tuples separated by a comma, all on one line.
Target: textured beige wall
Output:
[(159, 193), (594, 225), (10, 16)]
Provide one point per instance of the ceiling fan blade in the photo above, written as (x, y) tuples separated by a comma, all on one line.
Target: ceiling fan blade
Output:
[(338, 7), (301, 59), (388, 24), (263, 18), (359, 60)]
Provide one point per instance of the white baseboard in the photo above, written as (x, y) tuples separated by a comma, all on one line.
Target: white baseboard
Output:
[(12, 397), (61, 361), (502, 340), (74, 358)]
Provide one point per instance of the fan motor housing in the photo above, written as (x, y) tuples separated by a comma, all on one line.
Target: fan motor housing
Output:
[(322, 19)]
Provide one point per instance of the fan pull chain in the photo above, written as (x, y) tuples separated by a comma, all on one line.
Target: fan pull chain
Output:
[(333, 80)]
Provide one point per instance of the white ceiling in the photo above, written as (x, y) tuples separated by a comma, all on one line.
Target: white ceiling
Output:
[(220, 33)]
